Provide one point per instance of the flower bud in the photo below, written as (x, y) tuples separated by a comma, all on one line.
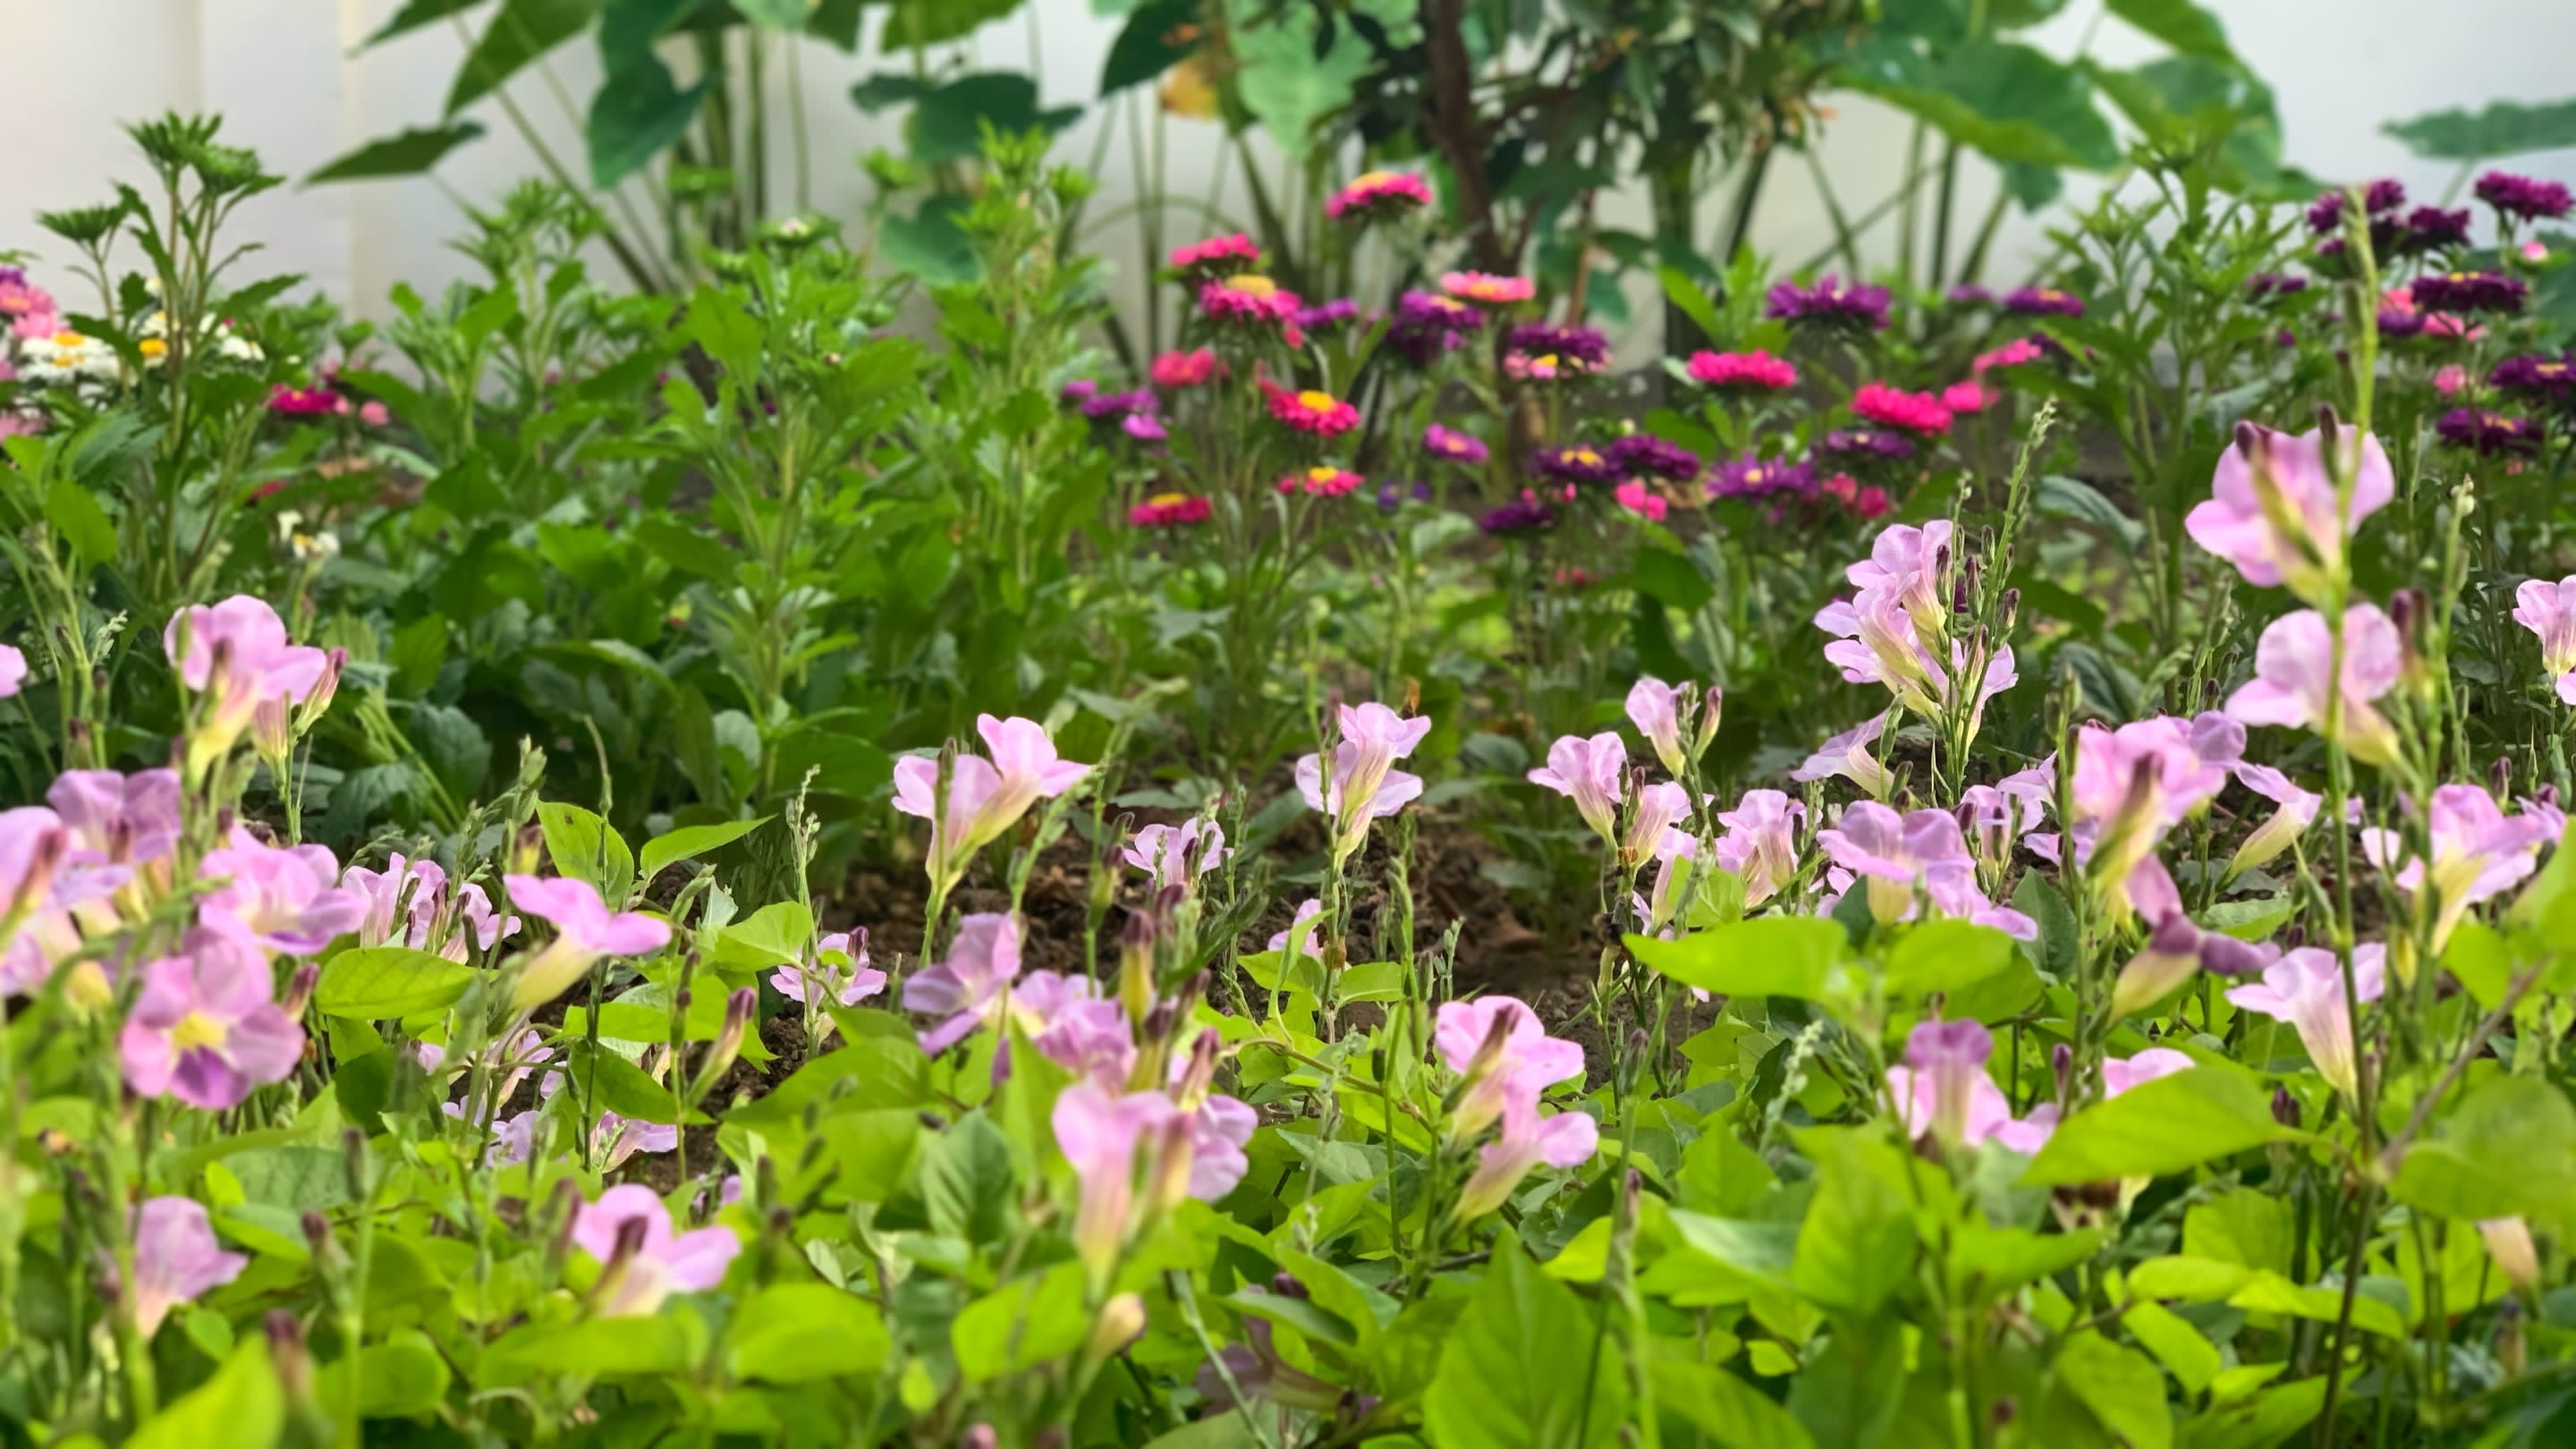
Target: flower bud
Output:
[(2509, 1243), (2285, 1108), (299, 988), (1121, 1321)]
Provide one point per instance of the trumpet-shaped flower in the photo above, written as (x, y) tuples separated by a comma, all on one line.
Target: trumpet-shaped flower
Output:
[(2296, 810), (1091, 1039), (2175, 950), (118, 819), (1660, 807), (207, 1027), (287, 900), (2273, 505), (176, 1260), (13, 670), (2479, 852), (1567, 1139), (1177, 855), (408, 903), (1503, 1053), (1301, 928), (1942, 1091), (642, 1262), (2305, 989), (1761, 843), (2293, 669), (1593, 774), (237, 654), (985, 797), (1849, 756), (1891, 854), (968, 988), (1110, 1139), (839, 972), (1365, 785), (585, 930), (1656, 709), (2549, 610)]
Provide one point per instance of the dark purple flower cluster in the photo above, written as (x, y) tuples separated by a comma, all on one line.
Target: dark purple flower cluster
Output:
[(1110, 407), (1864, 444), (2399, 322), (1427, 326), (2537, 376), (1643, 455), (1326, 316), (2491, 433), (1585, 346), (2043, 302), (2469, 292), (1575, 463), (1758, 477), (2382, 197), (2430, 229), (1830, 303), (2275, 284), (1522, 515), (2527, 197)]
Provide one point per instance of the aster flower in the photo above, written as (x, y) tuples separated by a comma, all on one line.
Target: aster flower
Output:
[(1426, 326), (1970, 396), (1849, 756), (1177, 855), (176, 1260), (1518, 516), (2292, 663), (2305, 988), (1248, 301), (2043, 302), (1943, 1093), (839, 971), (1216, 257), (1755, 369), (1635, 497), (1376, 195), (2535, 375), (2491, 434), (1917, 412), (1169, 510), (1573, 464), (1753, 476), (1643, 455), (2469, 292), (642, 1262), (2012, 354), (1144, 428), (1593, 774), (2325, 214), (1175, 371), (207, 1027), (2430, 229), (2524, 197), (585, 930), (1831, 303), (2399, 322), (2549, 611), (1311, 411), (1864, 445), (1457, 447), (1325, 316), (2272, 509), (1391, 495), (968, 988), (2478, 852), (1485, 289), (1363, 785), (1110, 407), (2275, 284), (22, 298), (1322, 481), (305, 402), (1969, 294), (1579, 349)]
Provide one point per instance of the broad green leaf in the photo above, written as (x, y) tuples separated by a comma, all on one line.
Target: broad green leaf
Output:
[(1527, 1366), (2120, 1386), (413, 16), (917, 23), (82, 523), (397, 1378), (968, 1182), (1025, 1322), (408, 154), (929, 245), (662, 1345), (1731, 1412), (2250, 1228), (1945, 955), (1286, 85), (2262, 1422), (242, 1407), (2176, 1342), (1156, 36), (2184, 26), (776, 14), (2502, 129), (2163, 1126), (1987, 1262), (886, 1071), (375, 983), (948, 121), (795, 1333), (1856, 1245), (2508, 1150), (621, 1086), (2272, 1293), (299, 1179), (2010, 101), (2187, 1280), (637, 113), (2482, 959), (688, 843), (1768, 956), (515, 36), (584, 847), (773, 935)]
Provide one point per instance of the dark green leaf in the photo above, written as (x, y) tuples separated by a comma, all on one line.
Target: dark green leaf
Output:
[(688, 843), (2121, 1387), (408, 154), (1526, 1367), (620, 1085), (931, 245), (415, 15), (1154, 39), (519, 33), (636, 115), (967, 1181), (400, 1377), (2012, 102), (948, 122), (81, 522), (2502, 129)]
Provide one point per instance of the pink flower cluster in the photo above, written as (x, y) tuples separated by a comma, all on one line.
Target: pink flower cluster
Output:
[(1894, 631), (1379, 193), (1505, 1061), (1915, 412), (1742, 369)]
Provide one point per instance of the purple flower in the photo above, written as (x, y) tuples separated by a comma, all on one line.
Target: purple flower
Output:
[(1428, 326), (118, 819), (1753, 476), (1103, 1136), (176, 1260), (1830, 303), (1892, 854), (1592, 773), (2430, 229), (642, 1262), (839, 972), (2305, 988), (2293, 665), (968, 988), (1865, 444), (1643, 455), (408, 903), (207, 1028), (2535, 375), (1391, 495), (1567, 1139), (1583, 347), (13, 670), (1969, 294), (1761, 843), (2469, 292), (2382, 196), (2175, 950), (585, 930), (1104, 407), (1573, 464), (282, 900), (2237, 522), (1177, 855), (1364, 786), (2478, 853), (1522, 515), (1503, 1055), (236, 653), (1092, 1040), (1943, 1093), (2275, 284), (1325, 316), (1848, 755), (2401, 322), (1457, 447), (2043, 302), (1144, 428), (2489, 433), (2526, 197)]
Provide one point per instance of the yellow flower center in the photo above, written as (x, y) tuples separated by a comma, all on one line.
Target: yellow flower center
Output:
[(1752, 475), (1252, 286), (196, 1030), (1322, 402), (152, 347), (68, 338), (1587, 457), (1372, 178), (1168, 500), (2050, 294), (1321, 473)]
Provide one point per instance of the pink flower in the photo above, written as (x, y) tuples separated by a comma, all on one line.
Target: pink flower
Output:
[(1943, 1092), (2449, 379), (375, 414), (1092, 1040), (1893, 854), (2534, 250), (1996, 817), (1971, 396), (1457, 447), (1177, 855), (1870, 502), (1593, 774), (283, 900), (1637, 498), (1567, 1139), (2549, 611), (237, 653), (1916, 412), (2479, 852), (985, 797), (2292, 667), (628, 1232), (1221, 253), (1655, 708), (1248, 301), (1111, 1140), (839, 972), (1879, 641), (1375, 194), (1761, 843), (2176, 950), (2131, 785), (1660, 807), (1322, 481), (206, 1028), (970, 986), (1168, 510), (1177, 371), (304, 402), (2305, 989), (1319, 413), (1486, 289), (2120, 1075), (176, 1260), (1849, 756), (1742, 369), (1503, 1053), (2298, 808), (1300, 926), (407, 902), (2011, 354), (1364, 784), (2273, 502), (1914, 565), (118, 819), (13, 670), (585, 931)]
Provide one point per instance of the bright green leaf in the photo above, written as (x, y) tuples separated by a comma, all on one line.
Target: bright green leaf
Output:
[(374, 983), (2163, 1126), (1767, 956)]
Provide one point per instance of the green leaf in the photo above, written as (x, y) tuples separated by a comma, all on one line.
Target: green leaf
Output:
[(2508, 1150), (242, 1407), (2180, 24), (374, 983), (2062, 497), (1025, 1322), (291, 1177), (929, 245), (1730, 1412), (918, 23), (82, 523), (2249, 1228), (1287, 86), (1668, 579), (797, 1333), (1856, 1244), (515, 37), (1767, 956), (666, 1345), (2266, 1420), (622, 1086), (2176, 1342), (1944, 955), (776, 14), (584, 847), (2122, 1388), (2012, 102), (397, 1378), (2157, 1127), (771, 936), (637, 113), (2502, 129), (948, 122), (1154, 39), (408, 154), (967, 1181), (1526, 1367), (1987, 1262), (2480, 957), (415, 15), (688, 843)]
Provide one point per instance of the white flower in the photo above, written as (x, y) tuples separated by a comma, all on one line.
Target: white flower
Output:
[(67, 356)]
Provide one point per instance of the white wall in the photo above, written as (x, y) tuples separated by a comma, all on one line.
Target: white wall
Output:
[(282, 74)]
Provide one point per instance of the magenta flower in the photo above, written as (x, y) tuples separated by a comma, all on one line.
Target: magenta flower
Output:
[(1177, 855), (1108, 1139), (207, 1027), (642, 1262), (2292, 667), (1942, 1092), (176, 1260), (585, 931), (1365, 785), (285, 900), (1567, 1139), (1372, 195), (1248, 301), (1831, 303), (1742, 369), (13, 670), (1593, 774), (237, 654), (1503, 1053), (1179, 371), (1761, 843), (1457, 447), (2479, 852), (2305, 989), (1485, 289), (1915, 412), (2549, 611), (1849, 756), (1217, 256), (969, 987), (2272, 509), (2524, 196), (839, 972)]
